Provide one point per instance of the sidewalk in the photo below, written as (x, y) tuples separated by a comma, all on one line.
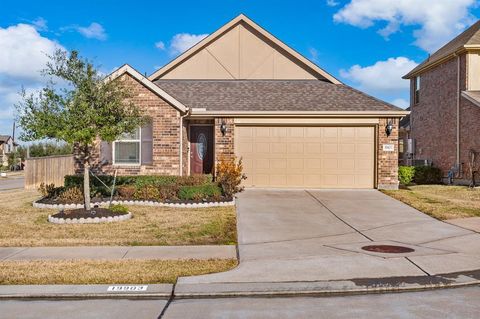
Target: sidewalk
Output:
[(118, 252)]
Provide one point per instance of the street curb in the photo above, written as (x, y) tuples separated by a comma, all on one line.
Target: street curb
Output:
[(327, 288), (156, 291)]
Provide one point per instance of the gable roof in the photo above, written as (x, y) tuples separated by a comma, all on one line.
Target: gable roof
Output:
[(307, 64), (469, 39), (257, 96), (127, 69), (4, 138)]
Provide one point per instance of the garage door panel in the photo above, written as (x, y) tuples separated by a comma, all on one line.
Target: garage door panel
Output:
[(319, 157)]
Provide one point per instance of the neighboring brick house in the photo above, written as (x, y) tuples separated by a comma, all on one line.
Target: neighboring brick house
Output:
[(242, 92), (445, 104), (6, 147)]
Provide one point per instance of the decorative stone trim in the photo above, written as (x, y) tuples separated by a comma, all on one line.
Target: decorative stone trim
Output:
[(36, 204), (89, 220)]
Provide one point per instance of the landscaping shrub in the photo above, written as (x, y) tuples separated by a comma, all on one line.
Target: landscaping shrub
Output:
[(200, 192), (406, 174), (159, 188), (126, 191), (49, 190), (168, 192), (148, 192), (427, 175), (119, 209), (230, 176), (71, 195)]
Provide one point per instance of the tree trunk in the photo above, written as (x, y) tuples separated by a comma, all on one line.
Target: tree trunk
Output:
[(86, 184)]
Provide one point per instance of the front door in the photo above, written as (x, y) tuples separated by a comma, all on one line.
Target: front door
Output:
[(201, 149)]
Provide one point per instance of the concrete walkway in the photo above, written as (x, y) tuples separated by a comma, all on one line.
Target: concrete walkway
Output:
[(317, 235), (118, 252)]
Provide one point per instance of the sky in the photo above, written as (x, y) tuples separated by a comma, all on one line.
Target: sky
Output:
[(368, 44)]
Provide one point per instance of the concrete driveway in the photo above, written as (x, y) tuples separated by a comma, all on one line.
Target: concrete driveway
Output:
[(317, 235)]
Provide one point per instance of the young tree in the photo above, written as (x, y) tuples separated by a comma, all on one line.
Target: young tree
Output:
[(81, 108)]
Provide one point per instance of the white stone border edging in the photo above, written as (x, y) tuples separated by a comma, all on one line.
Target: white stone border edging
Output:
[(36, 204), (89, 220)]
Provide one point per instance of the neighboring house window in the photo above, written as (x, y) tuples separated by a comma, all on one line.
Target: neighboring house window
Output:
[(126, 150), (131, 149), (417, 90)]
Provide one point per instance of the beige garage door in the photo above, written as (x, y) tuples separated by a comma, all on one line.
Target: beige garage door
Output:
[(317, 157)]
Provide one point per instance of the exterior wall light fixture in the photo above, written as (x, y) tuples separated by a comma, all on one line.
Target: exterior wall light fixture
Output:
[(389, 128), (223, 128)]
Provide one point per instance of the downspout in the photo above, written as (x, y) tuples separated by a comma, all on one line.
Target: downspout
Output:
[(458, 116), (181, 141)]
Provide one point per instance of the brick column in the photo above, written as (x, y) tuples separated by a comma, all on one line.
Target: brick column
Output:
[(387, 161), (224, 143)]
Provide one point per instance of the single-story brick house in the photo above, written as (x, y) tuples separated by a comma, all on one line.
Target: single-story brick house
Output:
[(242, 92), (445, 104)]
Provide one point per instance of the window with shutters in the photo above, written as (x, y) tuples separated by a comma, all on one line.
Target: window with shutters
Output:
[(135, 148)]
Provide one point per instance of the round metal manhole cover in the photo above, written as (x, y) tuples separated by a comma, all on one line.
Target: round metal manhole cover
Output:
[(388, 249)]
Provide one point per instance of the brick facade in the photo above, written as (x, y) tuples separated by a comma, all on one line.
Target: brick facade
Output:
[(224, 144), (166, 141), (387, 162), (434, 118), (166, 136)]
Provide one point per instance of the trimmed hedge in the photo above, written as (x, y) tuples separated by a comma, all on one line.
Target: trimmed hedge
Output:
[(199, 192), (419, 175), (428, 175), (146, 187)]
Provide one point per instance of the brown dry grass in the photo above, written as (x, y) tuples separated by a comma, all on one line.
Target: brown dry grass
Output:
[(106, 272), (23, 225), (440, 201)]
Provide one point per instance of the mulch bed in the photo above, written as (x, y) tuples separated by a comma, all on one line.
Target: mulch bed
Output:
[(82, 213)]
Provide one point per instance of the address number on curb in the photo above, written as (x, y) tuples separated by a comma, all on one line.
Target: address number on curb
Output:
[(127, 288)]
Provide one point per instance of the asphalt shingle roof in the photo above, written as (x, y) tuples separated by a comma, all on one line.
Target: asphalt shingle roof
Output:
[(271, 95)]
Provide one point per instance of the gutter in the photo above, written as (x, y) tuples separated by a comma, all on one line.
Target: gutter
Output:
[(181, 140), (336, 114), (458, 113)]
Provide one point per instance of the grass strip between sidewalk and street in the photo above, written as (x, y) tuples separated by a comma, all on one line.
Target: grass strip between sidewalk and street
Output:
[(76, 272), (22, 225), (440, 201)]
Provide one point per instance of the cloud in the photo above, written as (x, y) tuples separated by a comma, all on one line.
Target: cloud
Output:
[(402, 103), (183, 41), (332, 3), (22, 57), (160, 45), (93, 31), (24, 52), (313, 54), (40, 24), (437, 21), (383, 77)]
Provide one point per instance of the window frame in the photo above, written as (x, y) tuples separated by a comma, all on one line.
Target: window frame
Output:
[(139, 141), (416, 90)]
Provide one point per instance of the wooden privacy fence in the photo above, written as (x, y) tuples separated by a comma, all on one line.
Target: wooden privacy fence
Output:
[(48, 170)]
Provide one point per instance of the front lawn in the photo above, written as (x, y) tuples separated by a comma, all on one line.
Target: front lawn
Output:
[(440, 201), (40, 272), (23, 225)]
